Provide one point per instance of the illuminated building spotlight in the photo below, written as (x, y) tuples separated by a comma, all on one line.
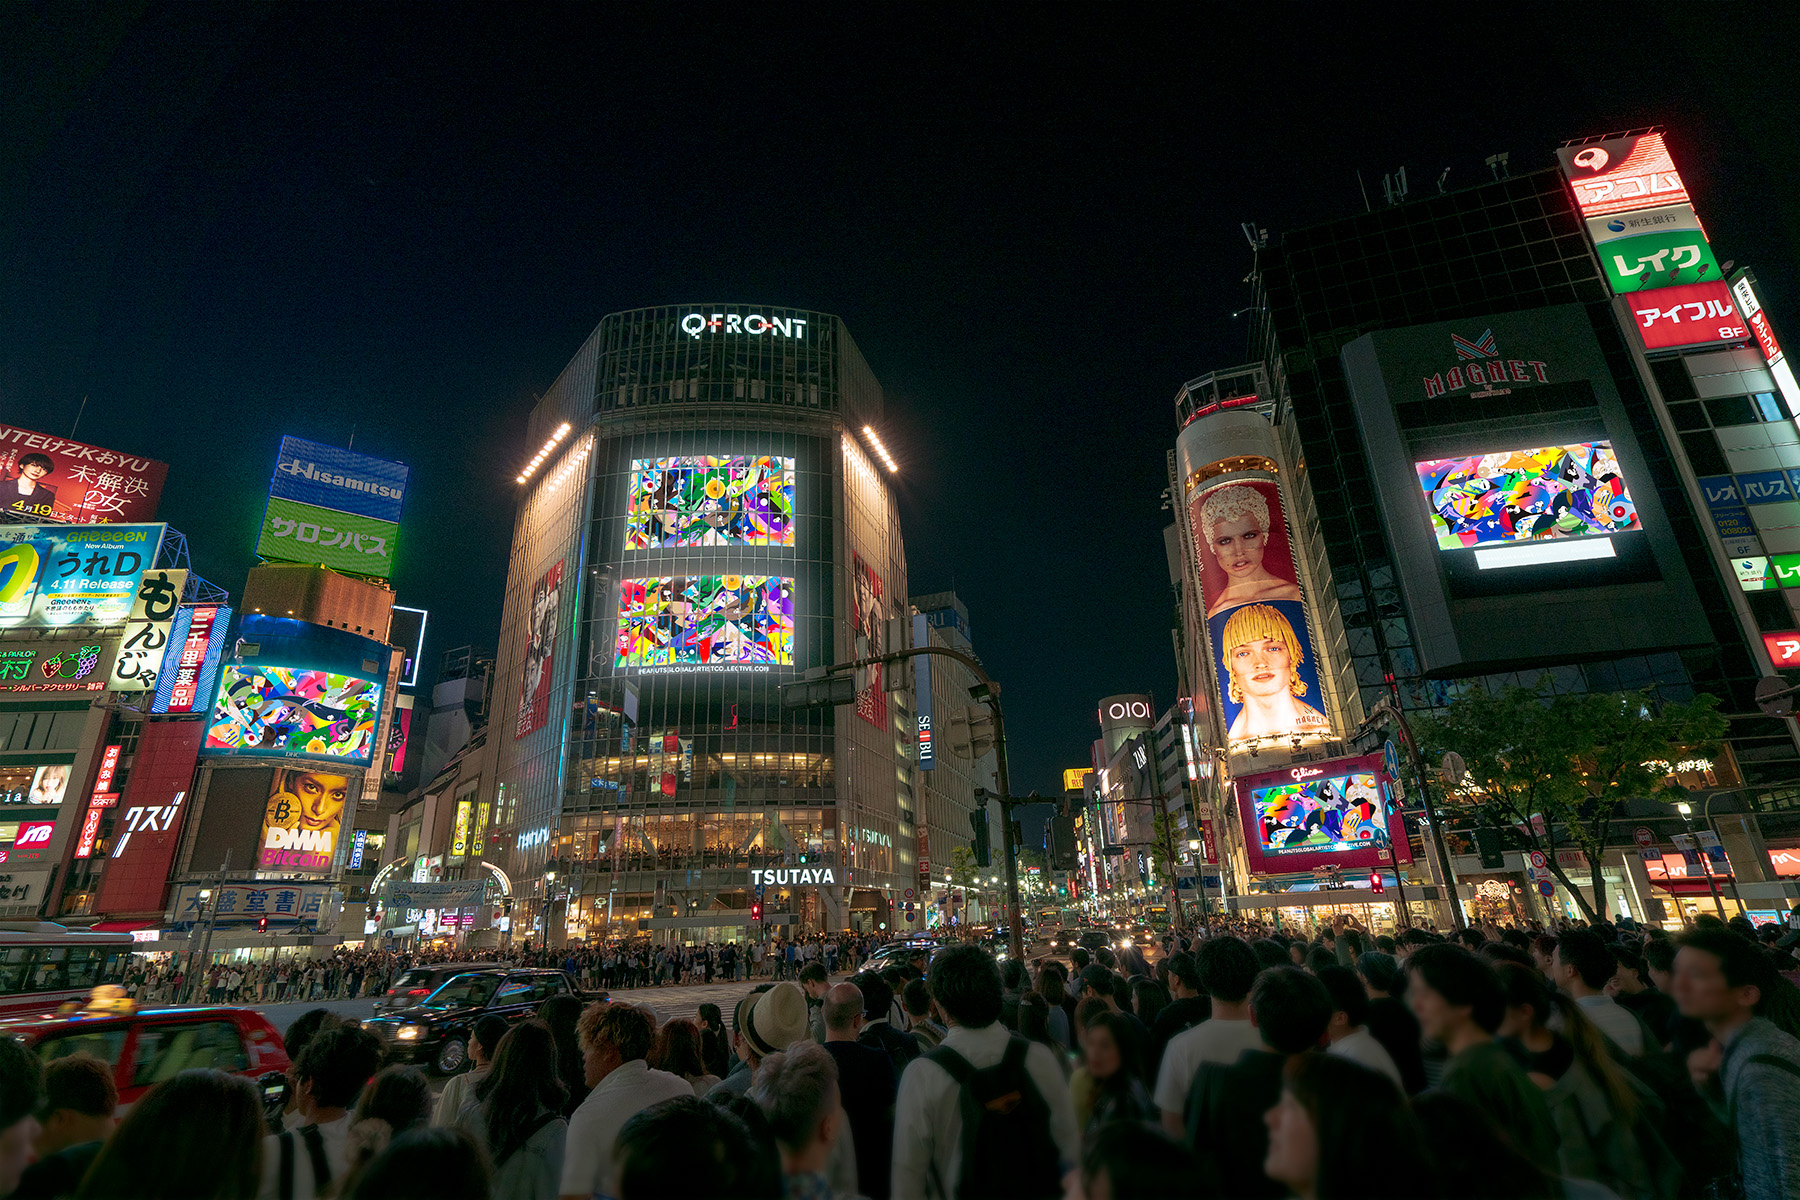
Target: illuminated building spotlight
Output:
[(881, 450), (537, 460)]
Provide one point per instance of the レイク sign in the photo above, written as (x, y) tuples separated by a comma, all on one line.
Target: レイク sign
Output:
[(754, 324)]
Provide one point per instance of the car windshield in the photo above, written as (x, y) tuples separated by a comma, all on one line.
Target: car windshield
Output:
[(418, 977), (462, 990)]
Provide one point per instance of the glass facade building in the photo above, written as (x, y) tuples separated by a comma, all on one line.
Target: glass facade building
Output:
[(710, 523)]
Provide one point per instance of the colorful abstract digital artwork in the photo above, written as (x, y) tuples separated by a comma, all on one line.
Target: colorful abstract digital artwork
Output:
[(283, 712), (711, 500), (1527, 495), (706, 621), (1329, 814)]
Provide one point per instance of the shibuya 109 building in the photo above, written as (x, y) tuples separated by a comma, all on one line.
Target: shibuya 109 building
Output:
[(706, 514)]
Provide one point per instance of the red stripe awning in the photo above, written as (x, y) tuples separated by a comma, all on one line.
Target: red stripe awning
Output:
[(123, 926), (1689, 887)]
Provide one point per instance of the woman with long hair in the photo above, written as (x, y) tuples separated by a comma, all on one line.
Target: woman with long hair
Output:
[(677, 1051), (1111, 1057), (1051, 987), (1343, 1132), (198, 1136), (1599, 1109), (518, 1114), (1034, 1026), (560, 1013), (715, 1046)]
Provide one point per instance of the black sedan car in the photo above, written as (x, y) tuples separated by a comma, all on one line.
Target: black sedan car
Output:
[(435, 1030)]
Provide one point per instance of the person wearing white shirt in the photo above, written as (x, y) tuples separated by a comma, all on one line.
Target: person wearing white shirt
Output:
[(614, 1040), (329, 1075), (1349, 1029), (1580, 968), (928, 1153), (460, 1090), (1227, 968)]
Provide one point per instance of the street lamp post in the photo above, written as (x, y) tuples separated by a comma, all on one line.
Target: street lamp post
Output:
[(1686, 810)]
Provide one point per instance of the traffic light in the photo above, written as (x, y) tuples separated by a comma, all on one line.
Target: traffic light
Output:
[(817, 691), (978, 822), (262, 925), (971, 732), (1489, 847), (1375, 884), (756, 912)]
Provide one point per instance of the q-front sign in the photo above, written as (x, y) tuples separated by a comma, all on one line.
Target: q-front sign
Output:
[(755, 324), (802, 876)]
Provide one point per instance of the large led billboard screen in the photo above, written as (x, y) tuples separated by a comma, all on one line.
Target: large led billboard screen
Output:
[(1622, 174), (54, 481), (711, 500), (706, 621), (1568, 491), (1255, 615), (87, 575), (347, 542), (302, 821), (1332, 813), (540, 653), (289, 712)]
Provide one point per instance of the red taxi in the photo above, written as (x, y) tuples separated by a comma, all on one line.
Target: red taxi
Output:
[(145, 1048)]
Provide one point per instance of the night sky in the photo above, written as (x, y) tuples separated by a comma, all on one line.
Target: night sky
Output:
[(226, 223)]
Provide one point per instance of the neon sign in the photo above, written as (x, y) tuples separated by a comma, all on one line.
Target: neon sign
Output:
[(754, 324)]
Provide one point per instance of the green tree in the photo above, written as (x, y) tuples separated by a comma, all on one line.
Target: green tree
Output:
[(1560, 768)]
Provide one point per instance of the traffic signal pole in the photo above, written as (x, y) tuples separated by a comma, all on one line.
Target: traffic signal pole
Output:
[(989, 691)]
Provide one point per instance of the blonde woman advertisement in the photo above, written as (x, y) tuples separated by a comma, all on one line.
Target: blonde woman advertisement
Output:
[(304, 817), (1246, 555), (1267, 670)]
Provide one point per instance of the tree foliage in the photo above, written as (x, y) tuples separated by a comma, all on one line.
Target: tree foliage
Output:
[(1560, 768)]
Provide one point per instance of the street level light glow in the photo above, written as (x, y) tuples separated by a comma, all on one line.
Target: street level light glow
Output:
[(551, 443), (887, 459)]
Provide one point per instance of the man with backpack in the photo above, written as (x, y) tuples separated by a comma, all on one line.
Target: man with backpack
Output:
[(1754, 1067), (987, 1113), (302, 1163)]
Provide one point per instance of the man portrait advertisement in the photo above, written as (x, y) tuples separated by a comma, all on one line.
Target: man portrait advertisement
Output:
[(1267, 672)]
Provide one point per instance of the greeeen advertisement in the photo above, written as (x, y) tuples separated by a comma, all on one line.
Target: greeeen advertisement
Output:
[(711, 500), (293, 712), (540, 653), (706, 621), (55, 481), (303, 819), (1256, 616), (1332, 813), (86, 575)]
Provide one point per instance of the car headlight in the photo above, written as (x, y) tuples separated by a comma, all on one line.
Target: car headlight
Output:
[(1125, 945), (410, 1033)]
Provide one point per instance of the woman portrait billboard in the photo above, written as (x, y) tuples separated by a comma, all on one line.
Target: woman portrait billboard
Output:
[(1255, 616)]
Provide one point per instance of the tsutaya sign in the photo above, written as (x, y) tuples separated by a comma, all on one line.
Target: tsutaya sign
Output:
[(794, 875), (754, 324)]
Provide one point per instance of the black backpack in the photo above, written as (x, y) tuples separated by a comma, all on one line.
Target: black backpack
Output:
[(1007, 1149)]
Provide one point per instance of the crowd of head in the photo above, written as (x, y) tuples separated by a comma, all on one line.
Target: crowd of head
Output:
[(1594, 1062)]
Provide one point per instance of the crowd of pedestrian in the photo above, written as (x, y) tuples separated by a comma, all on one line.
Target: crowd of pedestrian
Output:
[(624, 964), (1592, 1063)]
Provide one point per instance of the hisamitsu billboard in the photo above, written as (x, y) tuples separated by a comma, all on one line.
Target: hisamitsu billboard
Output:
[(327, 477)]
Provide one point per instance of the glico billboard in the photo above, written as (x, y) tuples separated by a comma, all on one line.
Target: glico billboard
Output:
[(1333, 813)]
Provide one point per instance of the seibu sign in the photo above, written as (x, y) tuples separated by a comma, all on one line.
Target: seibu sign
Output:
[(754, 324), (813, 876)]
